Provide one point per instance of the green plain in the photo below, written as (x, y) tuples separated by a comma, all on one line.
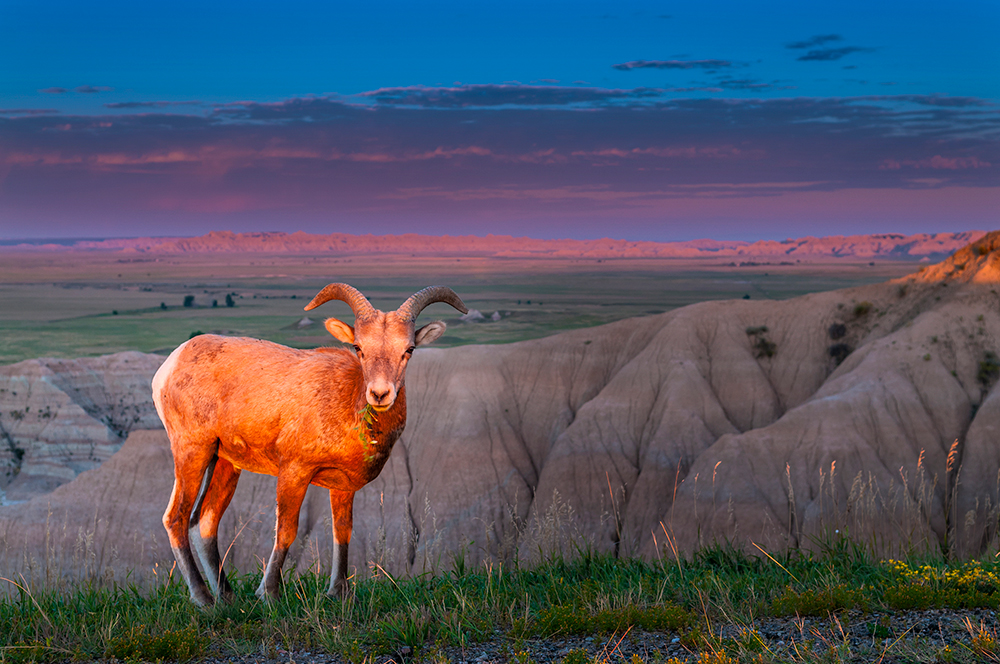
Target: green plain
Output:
[(74, 304)]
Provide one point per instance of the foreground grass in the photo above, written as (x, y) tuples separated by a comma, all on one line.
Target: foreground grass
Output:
[(418, 617)]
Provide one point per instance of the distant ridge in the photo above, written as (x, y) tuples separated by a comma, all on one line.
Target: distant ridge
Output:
[(923, 245)]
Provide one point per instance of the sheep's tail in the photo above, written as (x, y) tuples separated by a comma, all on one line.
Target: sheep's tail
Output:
[(206, 480)]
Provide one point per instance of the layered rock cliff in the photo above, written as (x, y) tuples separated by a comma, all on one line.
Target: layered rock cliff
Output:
[(59, 418)]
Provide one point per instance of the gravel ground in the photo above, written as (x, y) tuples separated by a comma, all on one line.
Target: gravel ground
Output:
[(917, 636)]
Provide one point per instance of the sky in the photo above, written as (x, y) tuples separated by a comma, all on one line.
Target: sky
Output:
[(632, 120)]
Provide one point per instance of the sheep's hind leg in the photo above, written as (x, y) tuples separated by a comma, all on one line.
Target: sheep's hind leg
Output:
[(190, 463), (292, 485), (342, 510), (220, 485)]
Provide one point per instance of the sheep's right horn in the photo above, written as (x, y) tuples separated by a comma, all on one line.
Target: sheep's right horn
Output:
[(413, 306), (359, 303)]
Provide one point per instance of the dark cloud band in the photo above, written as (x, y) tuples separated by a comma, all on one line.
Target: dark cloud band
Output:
[(673, 64), (471, 96), (815, 40), (830, 54), (150, 104)]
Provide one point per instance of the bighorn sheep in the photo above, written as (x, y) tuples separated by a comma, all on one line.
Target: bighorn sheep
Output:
[(325, 417)]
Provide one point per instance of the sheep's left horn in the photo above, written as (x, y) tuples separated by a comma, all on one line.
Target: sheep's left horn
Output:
[(413, 306), (359, 303)]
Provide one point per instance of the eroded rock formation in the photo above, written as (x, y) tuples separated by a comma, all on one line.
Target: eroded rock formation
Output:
[(869, 411), (59, 418)]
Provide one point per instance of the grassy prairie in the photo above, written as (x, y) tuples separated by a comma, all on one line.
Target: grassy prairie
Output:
[(73, 304)]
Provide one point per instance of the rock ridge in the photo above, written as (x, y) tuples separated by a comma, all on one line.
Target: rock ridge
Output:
[(884, 245)]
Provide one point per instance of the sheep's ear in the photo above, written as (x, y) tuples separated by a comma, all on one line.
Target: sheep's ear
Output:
[(342, 331), (429, 333)]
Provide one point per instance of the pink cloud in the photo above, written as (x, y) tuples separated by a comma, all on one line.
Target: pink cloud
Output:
[(936, 162), (686, 152)]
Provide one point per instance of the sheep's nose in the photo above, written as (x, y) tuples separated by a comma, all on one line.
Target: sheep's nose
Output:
[(381, 394)]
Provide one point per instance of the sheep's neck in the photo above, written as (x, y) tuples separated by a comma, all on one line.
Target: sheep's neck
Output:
[(379, 431)]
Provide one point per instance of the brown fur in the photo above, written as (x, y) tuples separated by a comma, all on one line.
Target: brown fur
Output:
[(326, 417)]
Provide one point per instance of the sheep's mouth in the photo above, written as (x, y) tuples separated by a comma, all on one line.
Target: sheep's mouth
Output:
[(380, 409)]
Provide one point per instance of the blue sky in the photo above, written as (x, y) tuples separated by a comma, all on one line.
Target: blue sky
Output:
[(639, 120)]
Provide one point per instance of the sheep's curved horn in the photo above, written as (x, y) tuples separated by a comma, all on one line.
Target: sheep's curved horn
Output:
[(413, 306), (359, 303)]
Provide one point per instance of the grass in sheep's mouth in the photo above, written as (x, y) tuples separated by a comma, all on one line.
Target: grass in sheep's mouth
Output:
[(686, 600)]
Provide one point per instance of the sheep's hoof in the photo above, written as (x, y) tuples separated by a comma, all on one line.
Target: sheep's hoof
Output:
[(268, 595), (339, 590), (202, 599)]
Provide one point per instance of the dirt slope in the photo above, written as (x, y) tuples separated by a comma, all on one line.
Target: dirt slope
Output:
[(870, 411)]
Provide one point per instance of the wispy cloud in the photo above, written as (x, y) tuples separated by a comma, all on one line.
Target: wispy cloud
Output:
[(27, 111), (937, 162), (54, 91), (830, 54), (815, 40), (751, 84), (150, 104), (673, 64), (694, 89), (936, 100), (468, 96), (93, 89)]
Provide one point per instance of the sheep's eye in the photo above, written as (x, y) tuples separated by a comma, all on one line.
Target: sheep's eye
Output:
[(357, 349), (409, 351)]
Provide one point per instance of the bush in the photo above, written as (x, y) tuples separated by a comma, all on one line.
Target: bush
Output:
[(189, 300), (764, 346), (570, 620), (178, 645), (862, 308), (819, 602), (989, 369)]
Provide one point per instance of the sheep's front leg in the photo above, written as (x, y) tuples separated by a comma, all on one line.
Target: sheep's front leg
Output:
[(342, 509), (292, 485)]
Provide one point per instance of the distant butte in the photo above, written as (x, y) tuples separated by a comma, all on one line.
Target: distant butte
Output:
[(930, 246)]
